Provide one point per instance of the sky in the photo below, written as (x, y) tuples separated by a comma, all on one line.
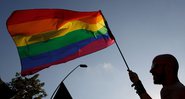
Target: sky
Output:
[(142, 28)]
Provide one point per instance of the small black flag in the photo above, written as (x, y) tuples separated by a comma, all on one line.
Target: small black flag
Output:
[(62, 93)]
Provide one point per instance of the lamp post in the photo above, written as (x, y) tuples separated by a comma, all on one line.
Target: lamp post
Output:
[(81, 65)]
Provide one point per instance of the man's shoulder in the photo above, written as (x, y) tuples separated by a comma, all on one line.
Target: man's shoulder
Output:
[(179, 91), (179, 86), (176, 91)]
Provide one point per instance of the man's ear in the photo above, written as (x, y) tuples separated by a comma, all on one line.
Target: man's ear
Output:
[(169, 72)]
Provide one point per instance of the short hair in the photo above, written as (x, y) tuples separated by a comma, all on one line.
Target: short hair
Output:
[(171, 59)]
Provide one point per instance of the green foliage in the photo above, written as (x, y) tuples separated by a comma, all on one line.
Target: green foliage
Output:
[(27, 88)]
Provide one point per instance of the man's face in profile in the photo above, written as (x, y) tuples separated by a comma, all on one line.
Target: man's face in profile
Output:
[(158, 73)]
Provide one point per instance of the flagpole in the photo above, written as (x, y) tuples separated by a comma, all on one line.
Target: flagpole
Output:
[(122, 55), (111, 35), (81, 65)]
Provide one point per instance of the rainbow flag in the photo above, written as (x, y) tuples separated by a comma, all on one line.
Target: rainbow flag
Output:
[(45, 37)]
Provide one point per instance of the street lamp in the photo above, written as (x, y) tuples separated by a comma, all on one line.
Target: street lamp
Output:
[(81, 65)]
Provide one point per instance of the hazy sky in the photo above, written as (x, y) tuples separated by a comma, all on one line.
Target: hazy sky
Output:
[(143, 29)]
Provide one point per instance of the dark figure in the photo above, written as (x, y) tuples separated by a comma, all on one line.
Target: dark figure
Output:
[(165, 72), (5, 91)]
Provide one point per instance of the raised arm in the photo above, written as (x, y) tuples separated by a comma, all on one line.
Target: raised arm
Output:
[(138, 86)]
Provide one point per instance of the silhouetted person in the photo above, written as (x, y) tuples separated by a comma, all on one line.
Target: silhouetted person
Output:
[(165, 72)]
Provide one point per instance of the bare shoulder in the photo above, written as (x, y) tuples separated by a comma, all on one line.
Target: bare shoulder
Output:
[(180, 93), (176, 91)]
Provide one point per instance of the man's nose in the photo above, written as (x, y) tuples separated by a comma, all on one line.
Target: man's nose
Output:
[(151, 70)]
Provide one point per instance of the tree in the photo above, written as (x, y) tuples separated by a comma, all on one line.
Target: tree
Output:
[(27, 88), (5, 91)]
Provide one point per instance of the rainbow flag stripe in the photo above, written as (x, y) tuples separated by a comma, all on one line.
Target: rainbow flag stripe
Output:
[(45, 37)]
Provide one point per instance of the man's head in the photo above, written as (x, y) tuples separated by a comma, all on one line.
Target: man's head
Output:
[(164, 69)]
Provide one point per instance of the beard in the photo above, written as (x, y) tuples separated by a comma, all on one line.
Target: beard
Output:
[(158, 79)]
